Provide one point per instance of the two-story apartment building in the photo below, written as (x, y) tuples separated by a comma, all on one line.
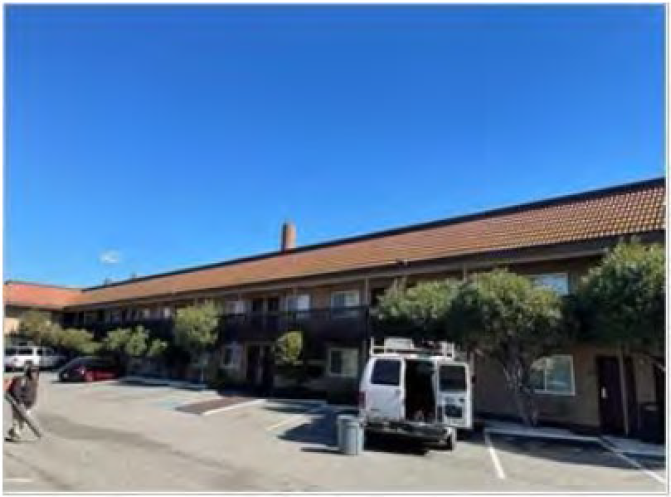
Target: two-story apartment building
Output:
[(326, 291)]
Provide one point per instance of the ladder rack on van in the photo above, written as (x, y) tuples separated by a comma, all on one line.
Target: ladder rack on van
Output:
[(403, 346)]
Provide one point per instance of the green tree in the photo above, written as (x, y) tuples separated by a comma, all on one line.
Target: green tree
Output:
[(195, 330), (503, 316), (78, 341), (422, 308), (124, 343), (38, 327), (621, 301), (288, 355), (156, 348)]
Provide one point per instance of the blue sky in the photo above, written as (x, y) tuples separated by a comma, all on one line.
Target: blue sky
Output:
[(177, 136)]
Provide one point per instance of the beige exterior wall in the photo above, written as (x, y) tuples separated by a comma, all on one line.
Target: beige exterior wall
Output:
[(493, 397)]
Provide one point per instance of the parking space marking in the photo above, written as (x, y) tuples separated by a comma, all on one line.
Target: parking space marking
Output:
[(10, 479), (235, 406), (495, 458), (634, 463), (293, 418)]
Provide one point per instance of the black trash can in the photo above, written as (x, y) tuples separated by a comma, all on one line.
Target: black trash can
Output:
[(652, 423)]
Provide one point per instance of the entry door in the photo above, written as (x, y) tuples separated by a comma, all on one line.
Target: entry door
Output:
[(610, 395), (660, 397), (253, 359)]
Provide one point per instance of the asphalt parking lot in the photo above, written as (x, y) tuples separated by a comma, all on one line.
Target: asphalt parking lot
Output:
[(119, 437)]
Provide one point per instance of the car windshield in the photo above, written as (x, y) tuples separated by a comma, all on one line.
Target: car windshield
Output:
[(452, 378)]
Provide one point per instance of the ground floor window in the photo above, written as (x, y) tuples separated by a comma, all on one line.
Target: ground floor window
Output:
[(553, 375), (343, 362), (557, 282), (231, 356)]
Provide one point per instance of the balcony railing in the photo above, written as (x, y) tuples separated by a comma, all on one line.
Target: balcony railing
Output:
[(335, 325), (327, 324)]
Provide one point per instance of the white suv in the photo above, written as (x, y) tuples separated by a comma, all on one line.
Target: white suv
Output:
[(18, 357)]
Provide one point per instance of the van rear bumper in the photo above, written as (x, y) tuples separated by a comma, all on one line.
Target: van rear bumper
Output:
[(421, 431)]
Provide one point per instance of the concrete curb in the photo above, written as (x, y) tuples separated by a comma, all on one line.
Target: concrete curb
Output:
[(541, 436), (165, 383)]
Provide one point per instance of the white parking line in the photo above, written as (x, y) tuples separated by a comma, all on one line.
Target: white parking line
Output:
[(295, 417), (235, 406), (634, 463), (495, 458), (17, 480)]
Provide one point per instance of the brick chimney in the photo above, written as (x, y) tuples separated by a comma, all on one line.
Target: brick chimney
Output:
[(288, 236)]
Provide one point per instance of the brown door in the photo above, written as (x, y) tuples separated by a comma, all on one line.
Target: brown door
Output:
[(610, 395), (660, 396), (253, 360), (632, 395)]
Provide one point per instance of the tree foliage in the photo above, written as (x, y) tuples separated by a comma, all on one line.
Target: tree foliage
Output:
[(156, 348), (422, 308), (77, 340), (621, 301), (505, 317), (38, 327), (289, 349), (127, 342), (195, 327)]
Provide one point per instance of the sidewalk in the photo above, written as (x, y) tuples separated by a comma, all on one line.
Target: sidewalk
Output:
[(631, 447), (624, 446)]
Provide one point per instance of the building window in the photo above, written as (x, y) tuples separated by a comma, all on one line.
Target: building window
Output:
[(167, 312), (146, 313), (298, 304), (115, 315), (553, 375), (235, 307), (343, 302), (230, 358), (343, 363), (557, 282)]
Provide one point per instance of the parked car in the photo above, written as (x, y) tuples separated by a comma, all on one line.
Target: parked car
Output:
[(89, 369), (421, 393), (18, 357)]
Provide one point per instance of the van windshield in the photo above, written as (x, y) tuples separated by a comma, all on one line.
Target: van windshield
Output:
[(452, 377)]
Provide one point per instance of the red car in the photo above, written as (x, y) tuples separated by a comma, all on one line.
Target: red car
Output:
[(89, 369)]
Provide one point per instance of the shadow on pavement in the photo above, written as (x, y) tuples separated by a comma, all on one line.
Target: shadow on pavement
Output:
[(568, 452)]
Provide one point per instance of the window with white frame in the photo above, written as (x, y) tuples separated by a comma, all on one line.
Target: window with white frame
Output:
[(343, 362), (342, 303), (146, 313), (166, 312), (235, 307), (553, 375), (556, 281)]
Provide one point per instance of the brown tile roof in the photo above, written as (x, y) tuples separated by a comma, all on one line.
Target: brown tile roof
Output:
[(627, 209), (36, 295)]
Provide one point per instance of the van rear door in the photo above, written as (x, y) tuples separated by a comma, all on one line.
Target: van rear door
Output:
[(385, 397), (454, 394)]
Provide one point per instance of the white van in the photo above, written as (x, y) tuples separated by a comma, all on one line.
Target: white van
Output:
[(20, 356), (423, 393)]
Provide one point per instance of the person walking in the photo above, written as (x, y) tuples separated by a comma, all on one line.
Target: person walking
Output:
[(23, 390)]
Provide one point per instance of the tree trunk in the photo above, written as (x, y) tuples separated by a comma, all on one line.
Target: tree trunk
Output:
[(523, 395)]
